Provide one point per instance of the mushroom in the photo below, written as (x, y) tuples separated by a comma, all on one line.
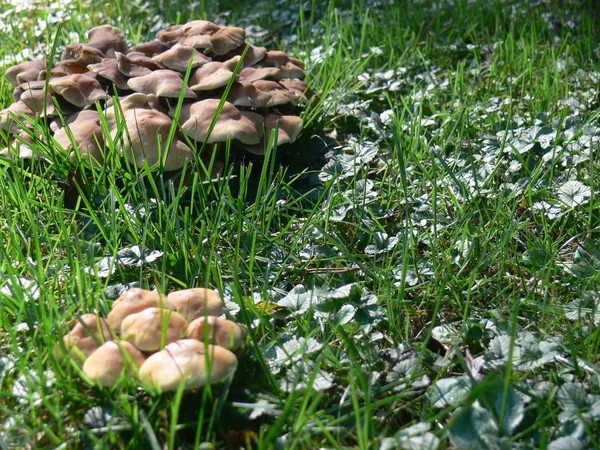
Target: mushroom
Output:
[(178, 58), (77, 89), (231, 123), (76, 57), (299, 93), (288, 129), (253, 55), (15, 113), (25, 71), (147, 133), (112, 361), (152, 328), (218, 331), (188, 362), (135, 64), (290, 67), (151, 48), (162, 83), (196, 302), (107, 39), (109, 70), (247, 94), (252, 74), (279, 94), (39, 101), (89, 333), (86, 132), (134, 301), (205, 35), (213, 75)]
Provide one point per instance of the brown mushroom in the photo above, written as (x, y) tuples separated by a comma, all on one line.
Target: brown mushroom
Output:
[(136, 64), (290, 67), (188, 362), (112, 361), (85, 130), (134, 301), (151, 48), (196, 302), (299, 93), (252, 74), (288, 128), (153, 328), (204, 35), (25, 71), (16, 114), (247, 94), (76, 57), (213, 75), (77, 89), (162, 83), (231, 123), (89, 332), (279, 94), (39, 101), (253, 55), (217, 331), (107, 39), (109, 70), (178, 58)]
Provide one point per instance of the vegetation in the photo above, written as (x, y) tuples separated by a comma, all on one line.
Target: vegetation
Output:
[(420, 271)]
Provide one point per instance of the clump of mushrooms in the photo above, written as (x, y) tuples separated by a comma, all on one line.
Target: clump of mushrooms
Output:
[(137, 88), (163, 341)]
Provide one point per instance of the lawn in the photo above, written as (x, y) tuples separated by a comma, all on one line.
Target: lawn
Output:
[(419, 270)]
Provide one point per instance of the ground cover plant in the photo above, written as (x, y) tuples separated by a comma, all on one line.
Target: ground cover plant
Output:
[(419, 272)]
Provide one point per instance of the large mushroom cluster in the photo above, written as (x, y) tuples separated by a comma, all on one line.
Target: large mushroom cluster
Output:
[(148, 79), (164, 341)]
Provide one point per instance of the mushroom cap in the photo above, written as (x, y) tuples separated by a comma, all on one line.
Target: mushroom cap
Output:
[(298, 91), (25, 71), (162, 83), (109, 69), (89, 332), (247, 94), (55, 72), (76, 57), (152, 328), (178, 58), (107, 39), (135, 64), (231, 123), (219, 331), (131, 302), (187, 361), (16, 112), (279, 94), (213, 75), (150, 48), (253, 55), (196, 302), (253, 74), (113, 360), (203, 34), (146, 136), (39, 101), (77, 89), (289, 127), (86, 130)]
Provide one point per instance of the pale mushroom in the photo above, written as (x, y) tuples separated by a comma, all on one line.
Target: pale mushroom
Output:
[(288, 130), (204, 35), (290, 67), (178, 58), (196, 302), (231, 123), (213, 75), (253, 55), (152, 328), (299, 93), (77, 89), (216, 330), (252, 74), (26, 71), (39, 101), (134, 301), (162, 83), (89, 333), (112, 361), (188, 362), (107, 39)]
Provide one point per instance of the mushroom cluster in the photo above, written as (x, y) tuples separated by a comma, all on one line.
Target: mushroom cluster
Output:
[(164, 341), (137, 89)]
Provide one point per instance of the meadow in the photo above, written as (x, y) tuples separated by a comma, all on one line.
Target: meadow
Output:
[(420, 270)]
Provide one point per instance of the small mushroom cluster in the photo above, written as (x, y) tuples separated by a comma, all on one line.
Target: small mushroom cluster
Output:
[(267, 94), (164, 341)]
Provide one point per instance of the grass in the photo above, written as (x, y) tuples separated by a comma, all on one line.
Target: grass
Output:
[(430, 284)]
